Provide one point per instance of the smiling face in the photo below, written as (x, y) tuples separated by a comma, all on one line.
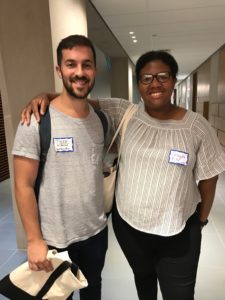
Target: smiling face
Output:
[(77, 70), (156, 95)]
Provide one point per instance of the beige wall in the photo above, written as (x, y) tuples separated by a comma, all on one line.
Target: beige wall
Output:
[(221, 76), (120, 76), (203, 82), (211, 92), (25, 45), (217, 94), (26, 64), (203, 87)]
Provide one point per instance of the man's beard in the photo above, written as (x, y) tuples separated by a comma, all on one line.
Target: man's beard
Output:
[(70, 90)]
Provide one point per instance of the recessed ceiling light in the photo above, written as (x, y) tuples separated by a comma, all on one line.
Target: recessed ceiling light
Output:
[(135, 41), (133, 37), (131, 32)]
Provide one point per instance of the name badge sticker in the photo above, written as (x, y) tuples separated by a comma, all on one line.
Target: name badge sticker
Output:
[(178, 157), (64, 144)]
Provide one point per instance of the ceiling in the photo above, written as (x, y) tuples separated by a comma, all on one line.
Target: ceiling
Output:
[(191, 30)]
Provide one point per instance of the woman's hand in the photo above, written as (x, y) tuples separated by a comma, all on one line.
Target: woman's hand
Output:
[(36, 106), (207, 190)]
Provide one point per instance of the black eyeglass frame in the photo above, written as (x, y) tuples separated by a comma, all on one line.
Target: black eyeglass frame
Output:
[(155, 76)]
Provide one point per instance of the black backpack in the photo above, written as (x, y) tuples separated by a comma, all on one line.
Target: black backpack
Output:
[(45, 140)]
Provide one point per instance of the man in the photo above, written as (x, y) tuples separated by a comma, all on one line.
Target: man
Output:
[(70, 214)]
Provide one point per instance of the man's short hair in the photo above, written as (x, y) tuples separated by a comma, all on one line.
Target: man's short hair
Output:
[(73, 41)]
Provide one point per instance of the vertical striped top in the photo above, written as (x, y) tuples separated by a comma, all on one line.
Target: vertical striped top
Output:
[(161, 162)]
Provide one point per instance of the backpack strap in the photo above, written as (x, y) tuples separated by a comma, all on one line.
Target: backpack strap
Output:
[(45, 140), (104, 121)]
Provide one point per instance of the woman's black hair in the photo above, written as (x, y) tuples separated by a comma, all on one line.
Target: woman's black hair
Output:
[(164, 56)]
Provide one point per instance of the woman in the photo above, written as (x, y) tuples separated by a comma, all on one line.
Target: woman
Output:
[(169, 167), (160, 208)]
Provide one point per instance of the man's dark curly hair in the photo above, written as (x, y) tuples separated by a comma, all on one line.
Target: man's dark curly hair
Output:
[(73, 41)]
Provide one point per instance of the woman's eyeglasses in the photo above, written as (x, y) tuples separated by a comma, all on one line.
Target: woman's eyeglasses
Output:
[(160, 77)]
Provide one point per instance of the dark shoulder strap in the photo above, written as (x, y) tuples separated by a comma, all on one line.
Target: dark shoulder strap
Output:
[(103, 119), (45, 140)]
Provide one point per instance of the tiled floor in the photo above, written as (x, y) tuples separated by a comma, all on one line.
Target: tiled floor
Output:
[(117, 277)]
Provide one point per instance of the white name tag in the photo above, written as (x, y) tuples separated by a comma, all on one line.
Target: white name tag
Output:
[(63, 144), (178, 157)]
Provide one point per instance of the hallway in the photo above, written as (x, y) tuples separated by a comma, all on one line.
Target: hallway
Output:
[(117, 277)]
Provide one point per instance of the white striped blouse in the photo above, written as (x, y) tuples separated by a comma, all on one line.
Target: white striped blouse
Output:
[(160, 163)]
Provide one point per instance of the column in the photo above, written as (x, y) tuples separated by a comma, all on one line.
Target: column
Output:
[(67, 17)]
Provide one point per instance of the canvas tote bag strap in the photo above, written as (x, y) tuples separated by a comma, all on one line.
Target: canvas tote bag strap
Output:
[(132, 108), (124, 127), (53, 277)]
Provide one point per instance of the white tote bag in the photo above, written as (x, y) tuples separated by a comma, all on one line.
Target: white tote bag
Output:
[(25, 284), (109, 181)]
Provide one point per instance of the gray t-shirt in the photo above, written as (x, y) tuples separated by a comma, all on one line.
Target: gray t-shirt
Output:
[(70, 199)]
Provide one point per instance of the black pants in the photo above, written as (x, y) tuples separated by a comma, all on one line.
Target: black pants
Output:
[(171, 261), (89, 255)]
